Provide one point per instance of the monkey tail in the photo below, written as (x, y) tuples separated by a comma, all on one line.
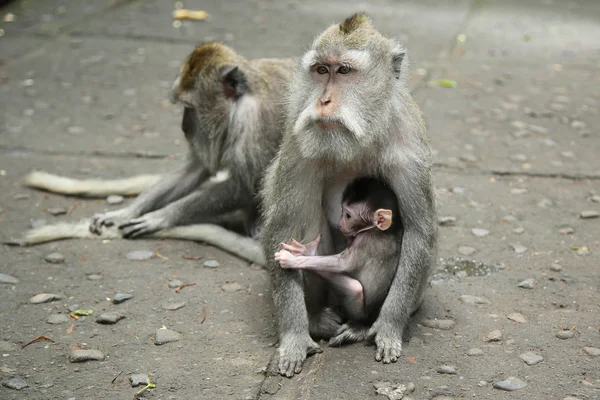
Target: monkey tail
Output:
[(89, 187), (244, 247)]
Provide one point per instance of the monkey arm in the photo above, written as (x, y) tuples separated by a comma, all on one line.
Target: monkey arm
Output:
[(210, 199), (337, 263)]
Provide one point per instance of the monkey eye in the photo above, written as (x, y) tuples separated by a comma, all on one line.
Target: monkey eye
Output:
[(348, 215), (322, 70), (344, 70)]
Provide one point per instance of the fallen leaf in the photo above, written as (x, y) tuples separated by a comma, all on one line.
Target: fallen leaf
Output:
[(447, 83), (37, 339), (70, 330), (184, 14), (83, 311), (194, 258), (184, 285), (411, 359)]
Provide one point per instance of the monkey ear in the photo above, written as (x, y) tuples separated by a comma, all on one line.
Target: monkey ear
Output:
[(234, 82), (398, 53), (384, 219)]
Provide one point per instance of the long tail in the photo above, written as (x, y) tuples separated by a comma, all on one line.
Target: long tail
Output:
[(89, 187), (244, 247)]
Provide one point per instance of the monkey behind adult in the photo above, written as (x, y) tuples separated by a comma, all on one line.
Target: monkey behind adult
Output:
[(349, 114), (361, 274)]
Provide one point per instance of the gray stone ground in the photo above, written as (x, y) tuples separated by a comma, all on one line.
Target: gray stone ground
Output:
[(83, 89)]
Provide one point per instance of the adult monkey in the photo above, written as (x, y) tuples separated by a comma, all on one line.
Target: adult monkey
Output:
[(350, 114)]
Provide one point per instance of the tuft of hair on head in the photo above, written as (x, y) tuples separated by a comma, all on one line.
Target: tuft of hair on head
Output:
[(354, 22), (205, 56)]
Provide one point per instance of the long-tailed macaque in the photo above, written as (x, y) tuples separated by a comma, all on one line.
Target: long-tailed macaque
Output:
[(349, 114), (361, 275)]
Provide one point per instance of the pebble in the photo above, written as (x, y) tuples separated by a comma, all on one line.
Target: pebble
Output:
[(538, 129), (519, 230), (556, 267), (4, 278), (592, 351), (520, 318), (37, 223), (447, 369), (595, 198), (589, 214), (394, 391), (21, 196), (56, 211), (466, 250), (231, 287), (109, 318), (520, 124), (475, 352), (80, 355), (531, 358), (480, 232), (509, 218), (15, 383), (493, 336), (163, 336), (519, 249), (527, 283), (565, 334), (518, 191), (446, 221), (114, 199), (140, 255), (545, 203), (519, 157), (56, 319), (44, 298), (174, 283), (138, 380), (510, 384), (55, 258), (443, 324), (175, 306), (121, 297), (468, 299), (94, 277), (210, 264), (566, 231)]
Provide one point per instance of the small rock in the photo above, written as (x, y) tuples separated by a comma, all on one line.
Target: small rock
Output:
[(443, 324), (592, 351), (163, 336), (37, 223), (140, 255), (545, 203), (15, 383), (520, 318), (394, 391), (447, 369), (493, 336), (566, 231), (446, 221), (519, 230), (595, 198), (480, 232), (531, 358), (475, 352), (556, 267), (175, 306), (468, 299), (56, 211), (21, 196), (518, 191), (587, 214), (79, 355), (466, 250), (138, 380), (565, 334), (538, 129), (174, 283), (510, 384), (94, 277), (114, 199), (509, 218), (54, 258), (520, 124), (8, 279), (527, 283), (56, 319), (121, 297), (231, 287), (210, 264), (519, 157), (519, 249), (44, 298), (109, 318)]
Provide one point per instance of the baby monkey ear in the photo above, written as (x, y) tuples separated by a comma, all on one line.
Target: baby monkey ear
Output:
[(234, 82), (384, 219)]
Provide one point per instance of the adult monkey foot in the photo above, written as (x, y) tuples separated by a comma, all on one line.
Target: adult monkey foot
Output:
[(388, 339), (293, 350)]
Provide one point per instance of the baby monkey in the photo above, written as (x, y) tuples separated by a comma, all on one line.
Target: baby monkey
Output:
[(361, 275)]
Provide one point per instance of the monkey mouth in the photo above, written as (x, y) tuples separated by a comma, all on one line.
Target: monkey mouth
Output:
[(329, 123)]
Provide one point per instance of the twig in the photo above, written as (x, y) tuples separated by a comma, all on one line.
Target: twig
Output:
[(194, 258), (184, 285), (37, 339), (203, 315), (115, 378), (70, 210), (161, 256)]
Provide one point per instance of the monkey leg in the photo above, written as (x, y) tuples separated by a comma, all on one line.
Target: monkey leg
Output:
[(350, 292)]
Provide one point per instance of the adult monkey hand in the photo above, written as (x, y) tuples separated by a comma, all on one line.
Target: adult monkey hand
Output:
[(349, 114)]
